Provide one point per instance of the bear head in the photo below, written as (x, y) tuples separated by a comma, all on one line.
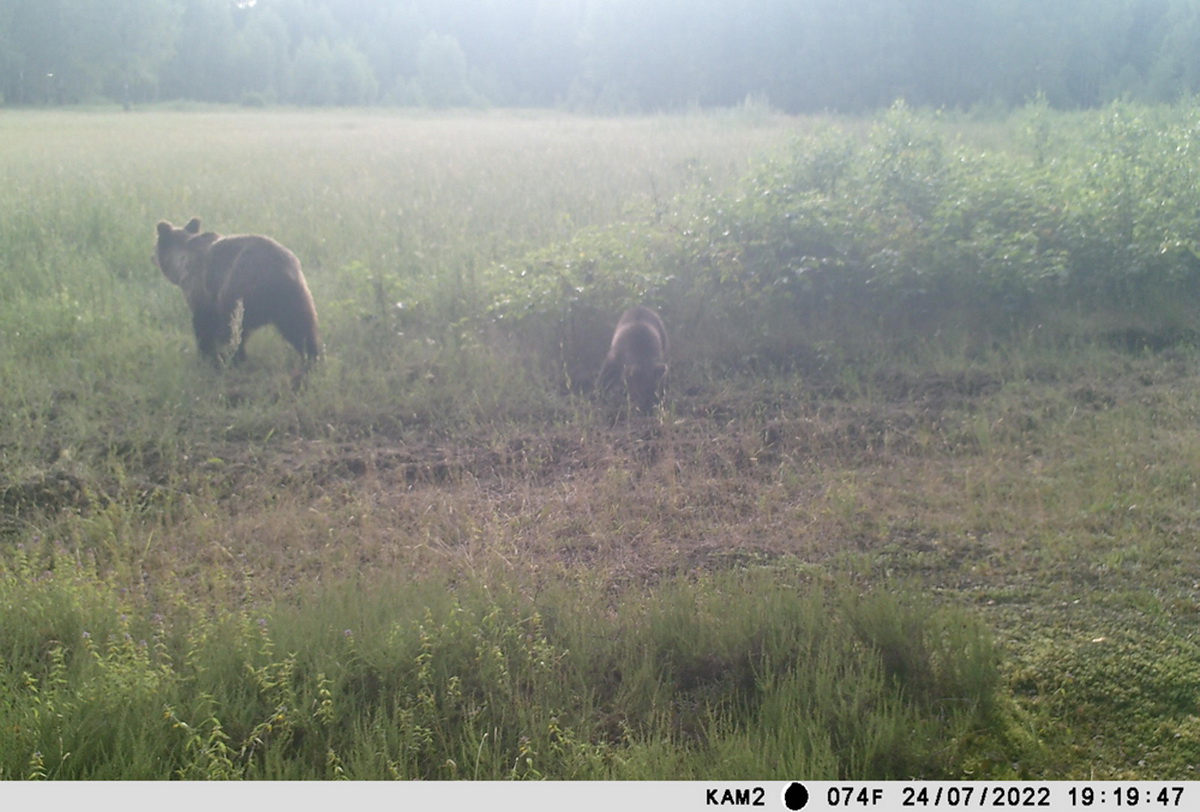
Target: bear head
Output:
[(642, 383), (171, 255)]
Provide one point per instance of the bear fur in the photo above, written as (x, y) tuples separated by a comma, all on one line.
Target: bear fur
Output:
[(637, 355), (216, 273)]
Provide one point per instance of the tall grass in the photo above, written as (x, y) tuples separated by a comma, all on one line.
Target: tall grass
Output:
[(426, 679), (395, 219)]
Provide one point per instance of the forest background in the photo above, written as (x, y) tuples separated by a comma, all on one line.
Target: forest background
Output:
[(600, 55)]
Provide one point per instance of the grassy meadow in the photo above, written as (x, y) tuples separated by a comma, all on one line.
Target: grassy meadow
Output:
[(921, 500)]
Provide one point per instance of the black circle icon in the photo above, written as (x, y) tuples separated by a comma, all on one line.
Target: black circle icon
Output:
[(795, 796)]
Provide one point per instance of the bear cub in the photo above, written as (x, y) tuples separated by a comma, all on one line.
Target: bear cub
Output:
[(638, 355), (216, 273)]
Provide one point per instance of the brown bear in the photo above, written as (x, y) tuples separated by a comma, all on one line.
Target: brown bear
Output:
[(216, 273), (638, 355)]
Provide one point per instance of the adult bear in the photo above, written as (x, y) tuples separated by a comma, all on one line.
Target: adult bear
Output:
[(216, 273), (638, 355)]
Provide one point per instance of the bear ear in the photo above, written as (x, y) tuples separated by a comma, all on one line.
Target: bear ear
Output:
[(193, 226), (164, 228)]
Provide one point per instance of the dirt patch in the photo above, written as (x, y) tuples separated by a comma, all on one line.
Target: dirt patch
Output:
[(1093, 397), (551, 455), (701, 434), (936, 388), (720, 479), (50, 493), (1139, 340)]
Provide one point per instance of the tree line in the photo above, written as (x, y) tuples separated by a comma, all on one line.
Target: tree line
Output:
[(603, 55)]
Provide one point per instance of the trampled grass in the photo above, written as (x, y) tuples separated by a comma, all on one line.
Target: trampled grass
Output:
[(953, 544)]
